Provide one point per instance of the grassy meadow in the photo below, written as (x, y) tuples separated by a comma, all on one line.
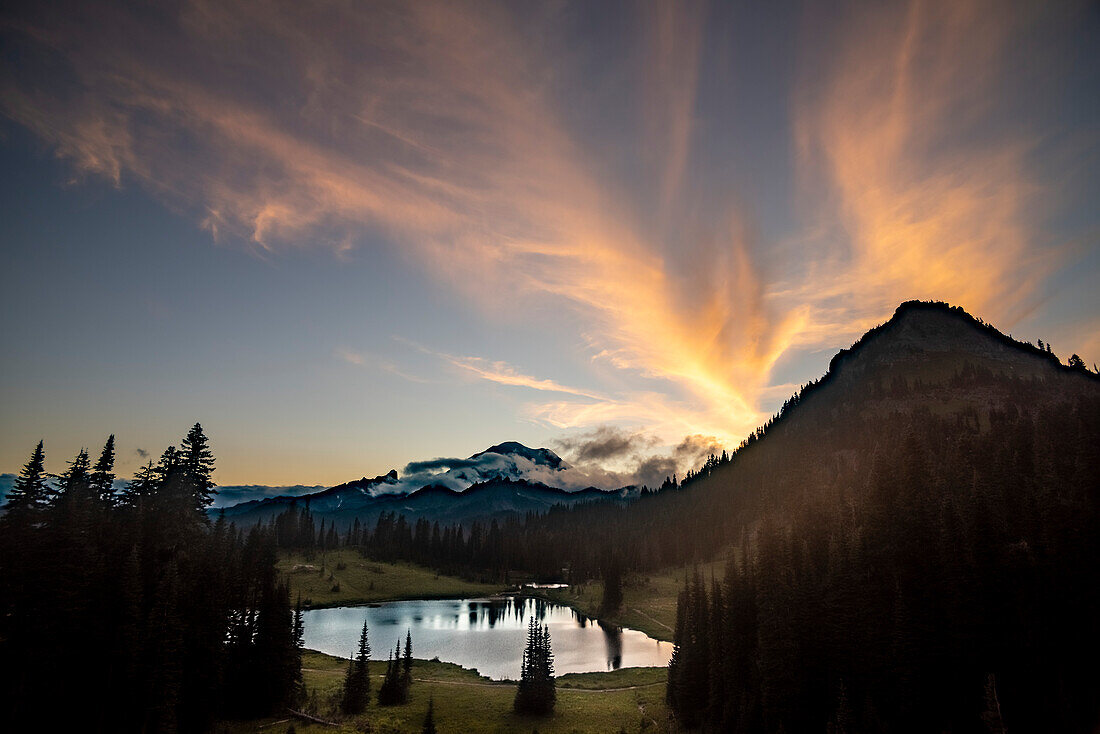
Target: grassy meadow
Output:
[(631, 700), (649, 601), (343, 577)]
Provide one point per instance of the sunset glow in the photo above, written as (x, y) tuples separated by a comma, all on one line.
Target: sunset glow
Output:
[(672, 214)]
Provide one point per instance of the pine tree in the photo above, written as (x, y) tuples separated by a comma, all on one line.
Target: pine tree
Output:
[(102, 478), (164, 622), (141, 487), (197, 467), (406, 668), (357, 681), (30, 494), (391, 692), (535, 693), (75, 482)]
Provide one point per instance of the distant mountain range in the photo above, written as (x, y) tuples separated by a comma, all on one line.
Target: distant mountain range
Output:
[(505, 479)]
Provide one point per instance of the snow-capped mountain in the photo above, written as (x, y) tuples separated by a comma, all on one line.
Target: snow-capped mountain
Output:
[(502, 479)]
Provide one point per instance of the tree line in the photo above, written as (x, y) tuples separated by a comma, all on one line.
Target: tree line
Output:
[(687, 521), (950, 587), (131, 611)]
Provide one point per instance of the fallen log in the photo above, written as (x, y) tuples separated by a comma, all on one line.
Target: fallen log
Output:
[(313, 719)]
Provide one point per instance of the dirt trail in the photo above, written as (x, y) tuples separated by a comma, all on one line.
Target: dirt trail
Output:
[(497, 685), (651, 619)]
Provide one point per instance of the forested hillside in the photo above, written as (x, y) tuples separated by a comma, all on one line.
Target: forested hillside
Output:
[(917, 547), (132, 612)]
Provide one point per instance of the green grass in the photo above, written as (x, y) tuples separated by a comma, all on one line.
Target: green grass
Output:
[(343, 577), (631, 699), (615, 679), (649, 600)]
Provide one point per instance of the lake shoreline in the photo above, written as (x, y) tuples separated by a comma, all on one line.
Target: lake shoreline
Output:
[(486, 633), (567, 681), (344, 577)]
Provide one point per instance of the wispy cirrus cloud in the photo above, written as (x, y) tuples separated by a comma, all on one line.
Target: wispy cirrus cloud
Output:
[(929, 192), (446, 130), (503, 373), (350, 356)]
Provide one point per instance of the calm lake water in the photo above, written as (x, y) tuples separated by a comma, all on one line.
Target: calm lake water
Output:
[(485, 634)]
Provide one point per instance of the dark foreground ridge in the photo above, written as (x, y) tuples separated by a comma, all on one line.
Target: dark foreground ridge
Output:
[(914, 538)]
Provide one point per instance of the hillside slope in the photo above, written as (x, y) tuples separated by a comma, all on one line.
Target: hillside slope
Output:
[(918, 540)]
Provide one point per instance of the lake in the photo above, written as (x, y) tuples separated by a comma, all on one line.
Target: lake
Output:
[(485, 634)]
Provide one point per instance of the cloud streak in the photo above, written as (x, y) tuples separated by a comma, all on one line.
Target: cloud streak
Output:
[(928, 197), (444, 130), (503, 373)]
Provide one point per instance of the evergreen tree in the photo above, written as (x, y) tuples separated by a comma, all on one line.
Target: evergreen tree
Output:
[(30, 493), (406, 668), (75, 482), (299, 644), (535, 693), (357, 680), (141, 487), (196, 462), (164, 622), (102, 478), (392, 691)]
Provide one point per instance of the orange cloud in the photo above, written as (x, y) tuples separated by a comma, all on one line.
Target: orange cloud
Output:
[(931, 198), (503, 373), (442, 128)]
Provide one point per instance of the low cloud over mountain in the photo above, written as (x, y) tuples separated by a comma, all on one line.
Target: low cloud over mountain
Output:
[(230, 495), (614, 457), (630, 454)]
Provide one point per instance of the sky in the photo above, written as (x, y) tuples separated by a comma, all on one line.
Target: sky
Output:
[(350, 236)]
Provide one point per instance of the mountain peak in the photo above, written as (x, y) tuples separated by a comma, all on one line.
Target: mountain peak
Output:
[(540, 456), (927, 333)]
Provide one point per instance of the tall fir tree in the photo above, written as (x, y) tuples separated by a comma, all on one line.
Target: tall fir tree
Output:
[(357, 680), (535, 693), (75, 482), (102, 478), (196, 462), (165, 622), (30, 493), (406, 663), (392, 691)]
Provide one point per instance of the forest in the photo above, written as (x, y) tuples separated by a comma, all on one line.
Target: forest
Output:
[(937, 593), (131, 611)]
